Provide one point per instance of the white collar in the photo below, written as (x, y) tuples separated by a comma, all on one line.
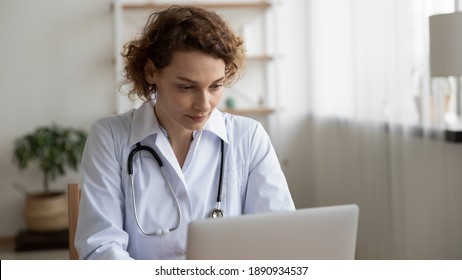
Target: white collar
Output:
[(144, 123)]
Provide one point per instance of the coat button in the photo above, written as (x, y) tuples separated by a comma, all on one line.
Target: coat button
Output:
[(181, 253), (181, 195)]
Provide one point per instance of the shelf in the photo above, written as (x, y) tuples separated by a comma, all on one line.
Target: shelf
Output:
[(249, 111), (259, 57), (221, 5)]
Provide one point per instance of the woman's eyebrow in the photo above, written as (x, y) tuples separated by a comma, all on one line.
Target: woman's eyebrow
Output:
[(187, 80), (195, 82), (219, 80)]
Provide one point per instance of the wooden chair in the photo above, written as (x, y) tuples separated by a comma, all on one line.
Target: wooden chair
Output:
[(73, 196)]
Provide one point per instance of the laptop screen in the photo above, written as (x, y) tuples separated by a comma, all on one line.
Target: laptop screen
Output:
[(312, 233)]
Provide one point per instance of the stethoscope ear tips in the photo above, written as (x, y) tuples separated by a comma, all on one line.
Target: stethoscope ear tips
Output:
[(216, 213)]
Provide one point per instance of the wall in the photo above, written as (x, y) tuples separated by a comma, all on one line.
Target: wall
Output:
[(57, 67)]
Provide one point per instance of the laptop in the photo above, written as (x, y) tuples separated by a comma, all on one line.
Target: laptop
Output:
[(321, 233)]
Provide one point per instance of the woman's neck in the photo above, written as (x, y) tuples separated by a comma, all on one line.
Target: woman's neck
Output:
[(180, 140)]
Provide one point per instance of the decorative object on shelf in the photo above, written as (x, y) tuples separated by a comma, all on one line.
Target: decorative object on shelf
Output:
[(446, 61), (230, 103), (54, 148)]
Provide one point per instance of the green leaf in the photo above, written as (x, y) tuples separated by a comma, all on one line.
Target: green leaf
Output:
[(54, 148)]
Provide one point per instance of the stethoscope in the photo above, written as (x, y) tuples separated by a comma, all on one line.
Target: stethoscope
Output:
[(216, 212)]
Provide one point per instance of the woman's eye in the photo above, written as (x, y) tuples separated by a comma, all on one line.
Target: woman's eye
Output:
[(216, 86), (185, 88)]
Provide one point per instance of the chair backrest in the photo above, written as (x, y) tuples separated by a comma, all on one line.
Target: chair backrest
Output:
[(73, 196)]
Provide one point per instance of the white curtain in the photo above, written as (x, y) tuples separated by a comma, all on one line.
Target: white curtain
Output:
[(376, 128)]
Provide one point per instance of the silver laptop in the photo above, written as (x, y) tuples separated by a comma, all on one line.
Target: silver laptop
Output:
[(319, 233)]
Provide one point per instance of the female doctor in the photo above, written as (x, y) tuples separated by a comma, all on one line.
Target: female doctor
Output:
[(147, 173)]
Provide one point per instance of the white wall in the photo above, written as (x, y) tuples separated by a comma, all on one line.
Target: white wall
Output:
[(56, 66)]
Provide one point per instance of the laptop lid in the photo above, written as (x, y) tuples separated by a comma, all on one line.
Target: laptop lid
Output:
[(312, 233)]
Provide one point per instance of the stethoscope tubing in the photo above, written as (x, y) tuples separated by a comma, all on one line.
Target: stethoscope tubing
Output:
[(140, 148), (159, 231), (215, 213)]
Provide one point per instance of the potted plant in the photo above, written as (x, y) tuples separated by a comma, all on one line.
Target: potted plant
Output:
[(55, 149)]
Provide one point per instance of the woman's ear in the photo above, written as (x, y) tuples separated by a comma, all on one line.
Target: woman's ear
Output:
[(149, 72)]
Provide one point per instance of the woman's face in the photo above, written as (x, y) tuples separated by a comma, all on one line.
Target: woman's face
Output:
[(188, 90)]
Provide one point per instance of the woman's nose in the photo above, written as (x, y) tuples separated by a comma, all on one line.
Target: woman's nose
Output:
[(202, 101)]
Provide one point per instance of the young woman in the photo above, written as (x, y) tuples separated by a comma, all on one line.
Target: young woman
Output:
[(147, 173)]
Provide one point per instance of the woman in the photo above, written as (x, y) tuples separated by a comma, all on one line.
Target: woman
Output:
[(132, 208)]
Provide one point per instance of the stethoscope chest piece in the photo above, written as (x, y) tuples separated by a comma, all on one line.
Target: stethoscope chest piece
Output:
[(216, 213)]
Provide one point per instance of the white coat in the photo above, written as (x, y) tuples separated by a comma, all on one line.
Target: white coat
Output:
[(253, 182)]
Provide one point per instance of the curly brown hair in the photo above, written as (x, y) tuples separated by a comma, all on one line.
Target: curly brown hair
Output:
[(180, 28)]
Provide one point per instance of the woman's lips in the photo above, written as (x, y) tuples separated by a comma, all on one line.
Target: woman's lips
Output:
[(198, 118)]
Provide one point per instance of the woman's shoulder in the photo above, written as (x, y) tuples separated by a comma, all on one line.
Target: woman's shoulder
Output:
[(237, 120), (115, 122), (236, 124)]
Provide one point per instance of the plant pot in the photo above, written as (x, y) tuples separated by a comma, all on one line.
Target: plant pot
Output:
[(46, 212)]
